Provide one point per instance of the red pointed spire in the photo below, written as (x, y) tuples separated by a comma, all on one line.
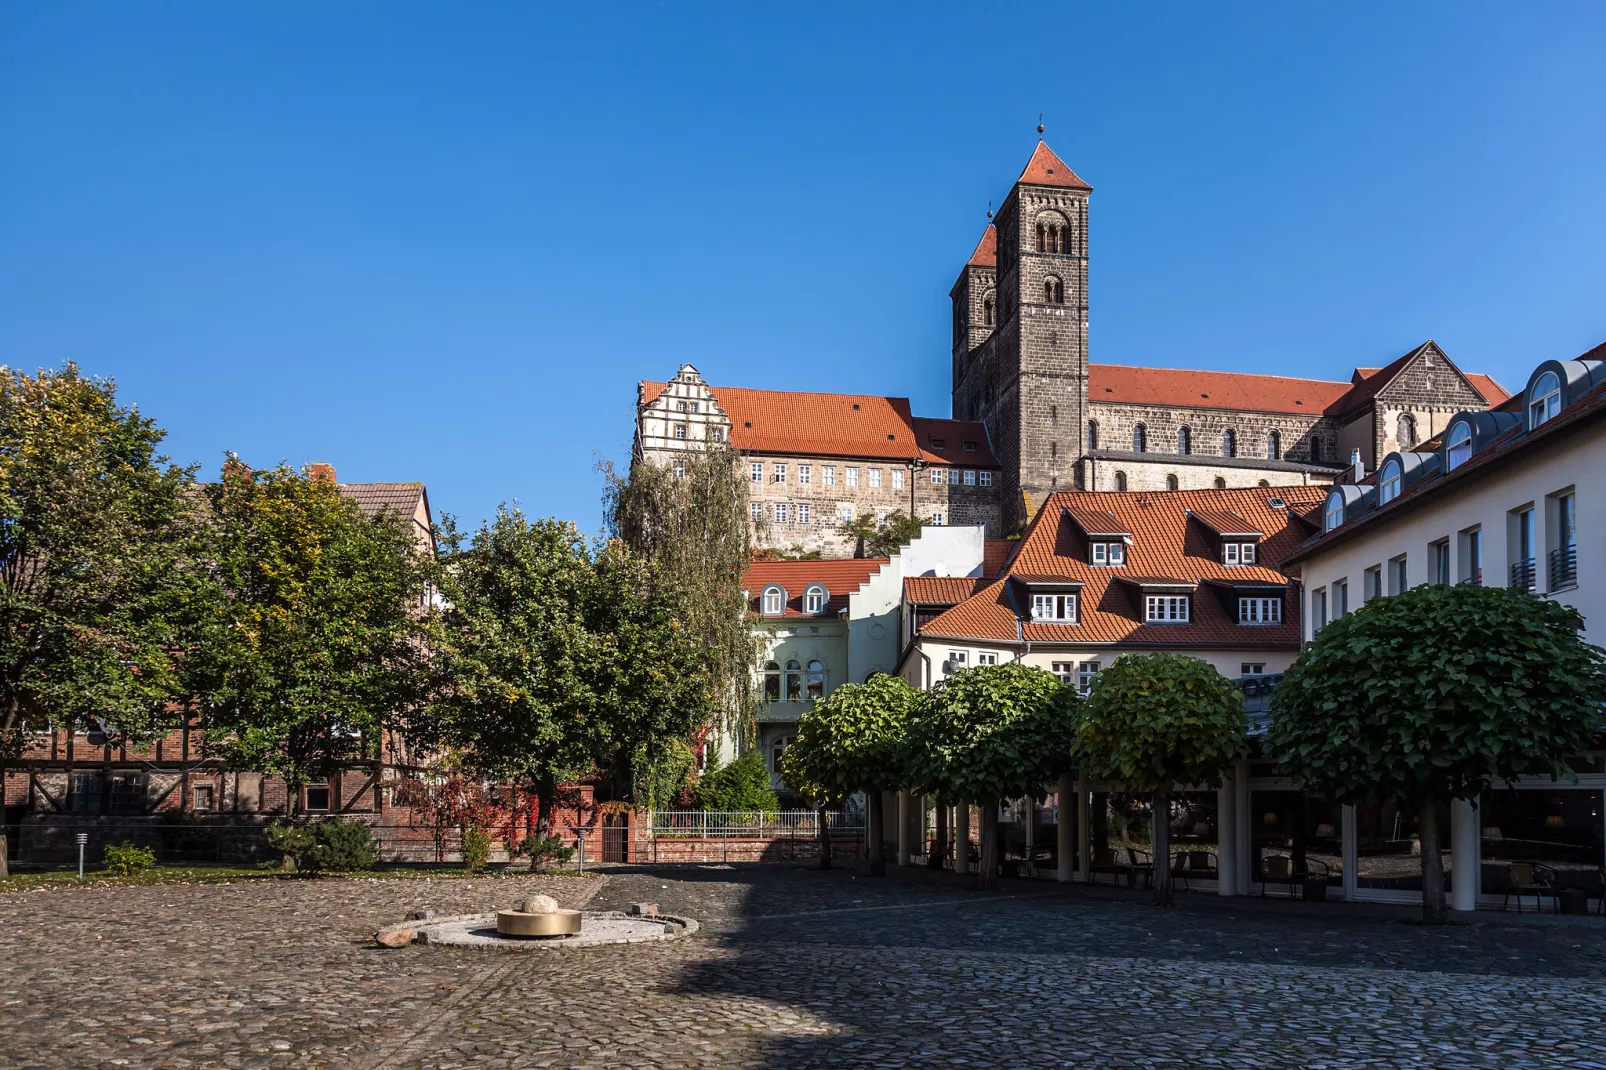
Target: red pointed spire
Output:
[(1047, 169), (986, 254)]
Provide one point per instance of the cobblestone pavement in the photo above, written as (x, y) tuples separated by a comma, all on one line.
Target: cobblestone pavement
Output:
[(794, 968)]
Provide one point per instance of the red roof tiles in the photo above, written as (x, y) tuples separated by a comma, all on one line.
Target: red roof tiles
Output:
[(1165, 548), (1047, 169), (994, 552), (941, 590), (986, 254), (840, 578)]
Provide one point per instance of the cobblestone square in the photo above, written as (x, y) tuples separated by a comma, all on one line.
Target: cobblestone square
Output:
[(793, 968)]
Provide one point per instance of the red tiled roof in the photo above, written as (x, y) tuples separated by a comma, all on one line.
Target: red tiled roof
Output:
[(1047, 169), (953, 434), (986, 254), (1224, 522), (841, 578), (941, 590), (994, 552), (1164, 545), (1365, 386)]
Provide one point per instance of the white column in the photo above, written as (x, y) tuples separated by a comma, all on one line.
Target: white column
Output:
[(1227, 835), (917, 824), (1351, 882), (1065, 832), (903, 828), (1084, 832), (1246, 854), (961, 838), (1464, 861)]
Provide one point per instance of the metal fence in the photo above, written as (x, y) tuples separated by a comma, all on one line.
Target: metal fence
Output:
[(749, 824)]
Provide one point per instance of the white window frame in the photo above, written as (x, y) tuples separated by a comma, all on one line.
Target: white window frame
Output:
[(805, 475), (936, 519), (844, 513), (1458, 446), (1065, 671), (1167, 609), (780, 512), (1333, 514), (680, 431), (953, 477), (986, 478), (875, 479), (970, 477), (986, 657), (1252, 668), (755, 511), (936, 476), (1340, 598), (1054, 608), (774, 603), (897, 479), (1542, 408), (780, 471), (1260, 611), (828, 475), (1084, 676), (755, 472), (1388, 483), (850, 476), (803, 513), (815, 596)]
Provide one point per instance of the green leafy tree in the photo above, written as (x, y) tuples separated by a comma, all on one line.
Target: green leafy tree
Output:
[(557, 658), (988, 734), (99, 581), (743, 785), (1155, 721), (321, 642), (1433, 694), (873, 538), (851, 741)]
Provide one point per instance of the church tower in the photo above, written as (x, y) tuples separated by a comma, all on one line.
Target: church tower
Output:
[(1020, 363)]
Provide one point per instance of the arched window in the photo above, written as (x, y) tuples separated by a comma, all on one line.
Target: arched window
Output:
[(1458, 447), (1042, 238), (1544, 400), (1139, 439), (794, 682), (815, 681), (1171, 482), (1120, 481), (1405, 431), (1388, 483), (774, 601), (772, 682), (1053, 291), (1274, 446), (1229, 443), (814, 598), (987, 310), (1092, 434), (1263, 483), (1333, 515), (1184, 441), (1221, 484), (1317, 450), (777, 751)]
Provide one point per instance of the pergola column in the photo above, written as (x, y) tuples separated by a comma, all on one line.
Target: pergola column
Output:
[(1084, 831), (1227, 835), (1240, 833), (1464, 861), (1065, 832), (962, 837), (903, 827)]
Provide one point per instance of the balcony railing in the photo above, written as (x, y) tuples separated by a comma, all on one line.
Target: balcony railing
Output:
[(1522, 574), (1563, 567)]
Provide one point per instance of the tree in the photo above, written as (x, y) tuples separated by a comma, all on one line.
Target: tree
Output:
[(1155, 721), (557, 658), (988, 734), (873, 538), (688, 520), (851, 741), (1433, 694), (99, 581), (322, 640), (742, 786)]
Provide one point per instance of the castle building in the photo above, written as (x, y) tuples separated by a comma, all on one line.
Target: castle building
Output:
[(1032, 415)]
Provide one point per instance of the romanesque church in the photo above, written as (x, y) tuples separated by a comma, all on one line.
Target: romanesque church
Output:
[(1032, 413)]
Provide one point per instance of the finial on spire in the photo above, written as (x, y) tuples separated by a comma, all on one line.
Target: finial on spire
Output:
[(989, 209), (1039, 126)]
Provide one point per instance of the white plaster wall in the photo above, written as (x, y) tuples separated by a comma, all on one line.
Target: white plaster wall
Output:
[(874, 622), (1228, 662), (1487, 500)]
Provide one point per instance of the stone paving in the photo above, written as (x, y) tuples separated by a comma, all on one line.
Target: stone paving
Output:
[(793, 968)]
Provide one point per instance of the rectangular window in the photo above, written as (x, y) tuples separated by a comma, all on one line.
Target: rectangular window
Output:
[(1398, 581), (1522, 549), (852, 476), (1340, 598), (1057, 608), (987, 657), (1318, 611), (897, 479), (805, 474), (802, 512), (936, 519), (1165, 609), (1563, 535), (1084, 675), (957, 659), (755, 510), (1260, 611), (936, 475), (970, 478), (780, 512), (780, 472), (755, 472), (1252, 668), (203, 798), (1246, 553), (1439, 559), (986, 478), (1065, 670), (318, 794), (680, 406), (844, 513), (1471, 542), (953, 477), (881, 517), (695, 408), (1101, 554), (875, 478), (718, 434), (1229, 553), (680, 430), (1372, 582), (828, 475)]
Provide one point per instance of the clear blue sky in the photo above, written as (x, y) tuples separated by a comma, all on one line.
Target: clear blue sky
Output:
[(443, 241)]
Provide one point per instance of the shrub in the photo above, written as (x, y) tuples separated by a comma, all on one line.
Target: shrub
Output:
[(128, 859), (742, 785), (476, 848), (333, 845), (542, 850), (293, 842)]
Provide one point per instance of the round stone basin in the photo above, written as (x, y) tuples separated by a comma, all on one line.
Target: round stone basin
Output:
[(557, 923), (600, 927)]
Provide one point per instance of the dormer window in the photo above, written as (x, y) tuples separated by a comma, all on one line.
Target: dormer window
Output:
[(774, 600), (1237, 553), (1333, 516), (1165, 609), (938, 443), (970, 447), (1544, 400), (1260, 611), (1458, 446), (1388, 483), (1054, 608), (814, 598), (1110, 554)]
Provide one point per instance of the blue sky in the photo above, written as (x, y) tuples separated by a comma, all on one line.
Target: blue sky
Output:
[(443, 242)]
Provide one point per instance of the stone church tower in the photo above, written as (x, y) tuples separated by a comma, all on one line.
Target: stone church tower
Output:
[(1020, 334)]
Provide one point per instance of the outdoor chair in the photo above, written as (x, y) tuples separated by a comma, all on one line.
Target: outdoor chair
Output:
[(1139, 867), (1530, 878), (1104, 862), (1042, 856), (1198, 865), (1279, 869)]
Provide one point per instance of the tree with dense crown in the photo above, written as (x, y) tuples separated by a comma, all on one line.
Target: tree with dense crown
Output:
[(988, 734), (882, 538), (851, 741), (1432, 695), (321, 641), (1156, 721), (100, 581)]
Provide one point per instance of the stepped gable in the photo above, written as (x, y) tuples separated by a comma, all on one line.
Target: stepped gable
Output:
[(1167, 546)]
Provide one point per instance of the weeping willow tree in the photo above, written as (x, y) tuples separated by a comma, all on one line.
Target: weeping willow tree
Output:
[(688, 517)]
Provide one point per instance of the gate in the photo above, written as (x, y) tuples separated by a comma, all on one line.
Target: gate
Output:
[(616, 837)]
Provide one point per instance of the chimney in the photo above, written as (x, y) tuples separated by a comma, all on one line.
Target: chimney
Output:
[(1357, 466), (321, 471)]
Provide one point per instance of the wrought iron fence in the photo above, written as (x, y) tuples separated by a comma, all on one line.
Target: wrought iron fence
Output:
[(749, 824), (1522, 574), (1563, 567)]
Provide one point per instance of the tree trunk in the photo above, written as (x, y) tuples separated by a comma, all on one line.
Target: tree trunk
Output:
[(987, 874), (873, 833), (544, 794), (825, 837), (1162, 848), (1432, 862), (939, 849)]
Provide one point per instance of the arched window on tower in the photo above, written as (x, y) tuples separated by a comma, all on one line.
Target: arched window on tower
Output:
[(1120, 481), (1274, 446), (987, 310), (1184, 441), (1092, 435), (1171, 482), (1139, 439), (1053, 291), (1042, 238), (1406, 431), (1229, 443), (1221, 484)]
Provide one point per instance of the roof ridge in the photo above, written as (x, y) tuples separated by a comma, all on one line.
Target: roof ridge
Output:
[(1216, 371)]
